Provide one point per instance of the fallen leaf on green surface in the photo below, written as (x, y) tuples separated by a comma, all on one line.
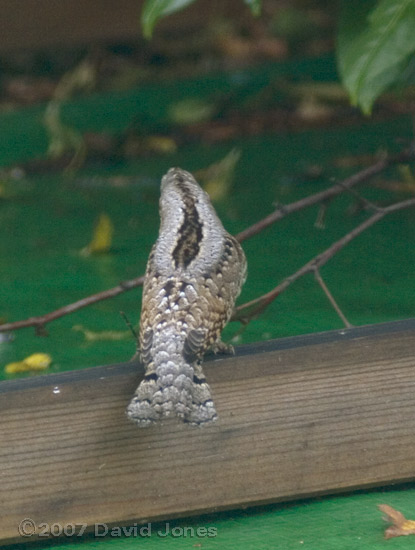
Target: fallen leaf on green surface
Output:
[(62, 137), (101, 238), (191, 111), (36, 361), (401, 526), (161, 144), (92, 336), (407, 175), (218, 177)]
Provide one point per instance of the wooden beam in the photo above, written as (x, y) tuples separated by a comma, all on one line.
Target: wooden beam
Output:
[(298, 417)]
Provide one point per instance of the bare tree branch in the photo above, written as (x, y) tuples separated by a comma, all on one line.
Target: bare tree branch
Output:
[(249, 310), (41, 321), (330, 296), (333, 191)]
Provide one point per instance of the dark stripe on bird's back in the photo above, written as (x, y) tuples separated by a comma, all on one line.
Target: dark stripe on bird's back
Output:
[(190, 233)]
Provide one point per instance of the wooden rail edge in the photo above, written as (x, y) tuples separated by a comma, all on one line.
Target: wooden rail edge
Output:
[(298, 417)]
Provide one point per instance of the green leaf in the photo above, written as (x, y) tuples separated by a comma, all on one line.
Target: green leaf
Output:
[(153, 10), (254, 5), (375, 42)]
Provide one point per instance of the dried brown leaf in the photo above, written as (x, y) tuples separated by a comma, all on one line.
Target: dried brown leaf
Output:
[(401, 526)]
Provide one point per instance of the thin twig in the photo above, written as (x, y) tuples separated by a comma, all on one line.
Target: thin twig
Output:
[(41, 321), (368, 205), (329, 193), (130, 326), (256, 306), (330, 296)]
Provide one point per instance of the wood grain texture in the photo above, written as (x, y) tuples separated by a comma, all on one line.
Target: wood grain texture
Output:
[(298, 417)]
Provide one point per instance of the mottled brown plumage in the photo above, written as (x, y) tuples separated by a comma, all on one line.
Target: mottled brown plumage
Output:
[(194, 275)]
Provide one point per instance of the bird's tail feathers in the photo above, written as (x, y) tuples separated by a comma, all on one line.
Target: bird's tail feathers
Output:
[(172, 389)]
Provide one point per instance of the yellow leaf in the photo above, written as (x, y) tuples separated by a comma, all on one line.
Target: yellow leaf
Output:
[(36, 361), (191, 111), (400, 525), (161, 144), (105, 335), (13, 368), (407, 175), (218, 178), (102, 236)]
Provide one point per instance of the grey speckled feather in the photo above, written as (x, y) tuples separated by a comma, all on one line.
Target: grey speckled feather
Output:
[(194, 275)]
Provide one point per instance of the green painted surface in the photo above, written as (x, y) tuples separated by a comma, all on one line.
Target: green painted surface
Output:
[(334, 523), (46, 221)]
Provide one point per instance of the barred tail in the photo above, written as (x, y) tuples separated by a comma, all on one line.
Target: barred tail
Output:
[(172, 389)]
